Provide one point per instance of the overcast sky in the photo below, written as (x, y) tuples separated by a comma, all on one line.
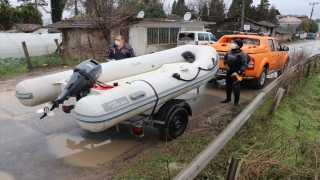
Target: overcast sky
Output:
[(299, 7)]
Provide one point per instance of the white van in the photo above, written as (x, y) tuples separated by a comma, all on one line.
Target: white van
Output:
[(195, 37)]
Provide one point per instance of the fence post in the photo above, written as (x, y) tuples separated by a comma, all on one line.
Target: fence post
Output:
[(316, 62), (26, 53), (308, 69), (90, 46), (60, 51)]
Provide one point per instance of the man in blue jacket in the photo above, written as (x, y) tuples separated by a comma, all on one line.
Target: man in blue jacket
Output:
[(119, 50)]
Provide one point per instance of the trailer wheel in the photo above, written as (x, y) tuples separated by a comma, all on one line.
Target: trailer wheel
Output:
[(177, 124)]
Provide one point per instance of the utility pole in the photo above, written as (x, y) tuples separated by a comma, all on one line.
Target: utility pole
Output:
[(311, 15), (242, 16), (76, 7)]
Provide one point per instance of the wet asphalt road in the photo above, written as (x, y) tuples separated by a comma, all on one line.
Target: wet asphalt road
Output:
[(57, 148)]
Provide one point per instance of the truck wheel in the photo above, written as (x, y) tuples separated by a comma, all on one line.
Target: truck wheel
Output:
[(259, 82), (285, 68), (177, 124)]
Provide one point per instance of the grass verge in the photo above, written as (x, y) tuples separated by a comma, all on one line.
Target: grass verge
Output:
[(284, 147), (9, 67)]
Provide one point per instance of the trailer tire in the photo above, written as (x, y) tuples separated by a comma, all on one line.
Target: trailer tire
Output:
[(177, 124)]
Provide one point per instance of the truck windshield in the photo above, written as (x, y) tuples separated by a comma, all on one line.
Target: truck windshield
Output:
[(186, 36), (246, 40)]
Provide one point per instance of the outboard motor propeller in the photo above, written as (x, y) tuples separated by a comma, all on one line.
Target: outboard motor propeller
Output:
[(84, 77)]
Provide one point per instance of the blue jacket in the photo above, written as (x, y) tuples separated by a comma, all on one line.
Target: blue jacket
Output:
[(114, 53)]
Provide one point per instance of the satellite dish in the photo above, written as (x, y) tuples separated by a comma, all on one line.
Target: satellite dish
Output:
[(140, 14), (187, 16)]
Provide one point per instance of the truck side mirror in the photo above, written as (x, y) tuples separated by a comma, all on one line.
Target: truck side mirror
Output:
[(285, 48)]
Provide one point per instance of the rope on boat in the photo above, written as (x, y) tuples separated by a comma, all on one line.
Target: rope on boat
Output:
[(156, 94)]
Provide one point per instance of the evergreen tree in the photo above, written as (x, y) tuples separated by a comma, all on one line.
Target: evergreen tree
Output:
[(181, 8), (174, 8), (133, 6), (26, 14), (5, 11), (154, 10), (236, 8), (272, 15), (57, 7), (263, 10), (204, 13), (217, 11)]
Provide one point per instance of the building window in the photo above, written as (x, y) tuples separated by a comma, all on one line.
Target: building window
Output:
[(162, 35), (173, 34), (153, 36)]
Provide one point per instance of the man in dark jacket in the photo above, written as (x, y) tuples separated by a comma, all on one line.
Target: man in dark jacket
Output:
[(119, 50), (235, 62)]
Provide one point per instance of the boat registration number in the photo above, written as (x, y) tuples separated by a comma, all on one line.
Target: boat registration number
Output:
[(222, 71)]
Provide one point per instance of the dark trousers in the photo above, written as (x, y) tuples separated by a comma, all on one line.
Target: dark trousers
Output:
[(232, 85)]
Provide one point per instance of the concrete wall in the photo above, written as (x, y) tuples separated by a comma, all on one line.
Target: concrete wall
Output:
[(138, 35), (76, 43), (283, 37)]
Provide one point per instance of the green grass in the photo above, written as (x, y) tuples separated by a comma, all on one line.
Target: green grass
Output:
[(279, 148), (9, 67)]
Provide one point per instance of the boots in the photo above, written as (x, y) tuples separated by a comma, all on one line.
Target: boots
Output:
[(236, 92), (228, 92)]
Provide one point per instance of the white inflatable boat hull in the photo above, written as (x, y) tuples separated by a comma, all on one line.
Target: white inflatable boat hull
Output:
[(142, 80)]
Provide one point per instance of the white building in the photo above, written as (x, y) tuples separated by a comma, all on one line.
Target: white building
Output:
[(156, 35), (83, 39)]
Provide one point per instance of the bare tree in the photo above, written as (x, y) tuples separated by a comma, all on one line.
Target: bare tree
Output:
[(196, 6)]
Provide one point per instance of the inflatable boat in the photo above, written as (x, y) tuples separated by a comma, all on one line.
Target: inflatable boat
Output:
[(112, 92)]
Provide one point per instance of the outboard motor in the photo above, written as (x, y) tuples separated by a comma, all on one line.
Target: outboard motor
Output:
[(84, 77)]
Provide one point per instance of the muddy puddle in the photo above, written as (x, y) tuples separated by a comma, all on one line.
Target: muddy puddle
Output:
[(5, 176), (78, 151)]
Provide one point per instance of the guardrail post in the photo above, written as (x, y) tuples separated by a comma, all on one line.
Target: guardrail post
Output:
[(26, 53), (233, 168), (275, 102)]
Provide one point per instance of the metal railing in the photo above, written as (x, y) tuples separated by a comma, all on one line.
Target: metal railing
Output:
[(200, 162)]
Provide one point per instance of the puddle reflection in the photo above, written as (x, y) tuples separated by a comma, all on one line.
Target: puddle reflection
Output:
[(79, 151), (5, 176)]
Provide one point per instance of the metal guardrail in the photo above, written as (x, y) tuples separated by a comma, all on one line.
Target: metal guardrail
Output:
[(200, 162)]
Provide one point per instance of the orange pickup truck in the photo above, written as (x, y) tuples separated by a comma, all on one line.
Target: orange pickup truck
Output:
[(266, 56)]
